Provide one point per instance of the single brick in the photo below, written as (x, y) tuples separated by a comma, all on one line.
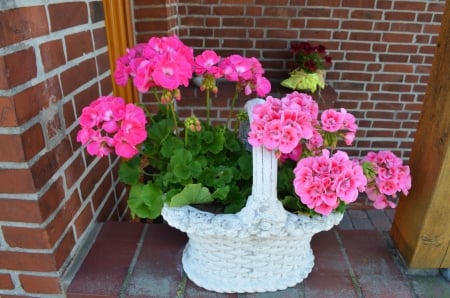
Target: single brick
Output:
[(40, 284), (67, 14), (21, 24)]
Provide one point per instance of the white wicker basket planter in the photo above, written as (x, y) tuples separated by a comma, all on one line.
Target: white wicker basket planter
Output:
[(262, 248)]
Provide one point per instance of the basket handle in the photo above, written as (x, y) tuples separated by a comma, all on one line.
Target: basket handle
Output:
[(263, 203), (264, 163)]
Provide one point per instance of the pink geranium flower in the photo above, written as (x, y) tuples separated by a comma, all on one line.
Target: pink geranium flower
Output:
[(143, 79), (99, 145), (303, 102), (323, 181), (272, 134), (391, 177), (89, 117), (85, 134), (285, 125), (294, 155), (237, 68), (289, 140), (166, 74), (162, 62), (332, 120), (262, 86), (124, 146), (207, 62), (256, 134), (133, 131), (109, 124)]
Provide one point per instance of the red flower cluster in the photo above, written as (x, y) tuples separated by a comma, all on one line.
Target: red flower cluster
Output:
[(310, 58)]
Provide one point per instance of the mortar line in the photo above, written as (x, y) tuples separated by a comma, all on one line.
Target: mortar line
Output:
[(123, 288), (355, 282)]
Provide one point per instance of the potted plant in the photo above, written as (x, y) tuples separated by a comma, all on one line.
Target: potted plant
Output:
[(308, 73), (272, 200)]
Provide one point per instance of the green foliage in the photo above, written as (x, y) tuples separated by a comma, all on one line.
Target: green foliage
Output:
[(369, 170), (208, 166), (191, 194), (130, 171), (145, 200), (301, 80)]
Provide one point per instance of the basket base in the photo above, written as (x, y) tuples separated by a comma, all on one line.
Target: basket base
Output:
[(260, 265)]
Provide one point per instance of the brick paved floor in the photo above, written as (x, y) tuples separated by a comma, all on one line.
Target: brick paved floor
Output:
[(355, 259)]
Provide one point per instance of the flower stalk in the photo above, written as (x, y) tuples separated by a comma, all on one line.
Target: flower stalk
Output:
[(232, 104)]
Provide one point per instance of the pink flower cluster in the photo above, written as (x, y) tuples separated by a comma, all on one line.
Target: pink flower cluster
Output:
[(291, 128), (247, 72), (322, 182), (162, 62), (390, 177), (280, 124), (109, 124), (207, 63), (168, 63), (334, 121)]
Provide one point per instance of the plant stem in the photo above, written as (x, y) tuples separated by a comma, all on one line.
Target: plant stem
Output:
[(174, 116), (208, 106), (233, 101), (155, 93), (147, 112), (236, 125)]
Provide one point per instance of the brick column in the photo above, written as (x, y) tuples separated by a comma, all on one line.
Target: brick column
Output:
[(53, 61)]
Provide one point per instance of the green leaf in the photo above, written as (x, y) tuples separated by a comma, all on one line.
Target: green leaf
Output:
[(246, 166), (182, 171), (145, 201), (330, 139), (285, 178), (291, 203), (191, 194), (130, 171), (194, 143), (161, 129), (221, 193), (202, 160), (217, 145), (181, 156), (341, 208), (179, 164), (168, 196), (237, 200), (299, 80), (207, 177), (224, 176), (168, 178), (207, 136), (232, 143), (369, 170), (195, 168), (182, 166), (170, 145)]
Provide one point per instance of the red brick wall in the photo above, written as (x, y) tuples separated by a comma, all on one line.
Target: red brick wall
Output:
[(155, 17), (53, 61), (382, 50)]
